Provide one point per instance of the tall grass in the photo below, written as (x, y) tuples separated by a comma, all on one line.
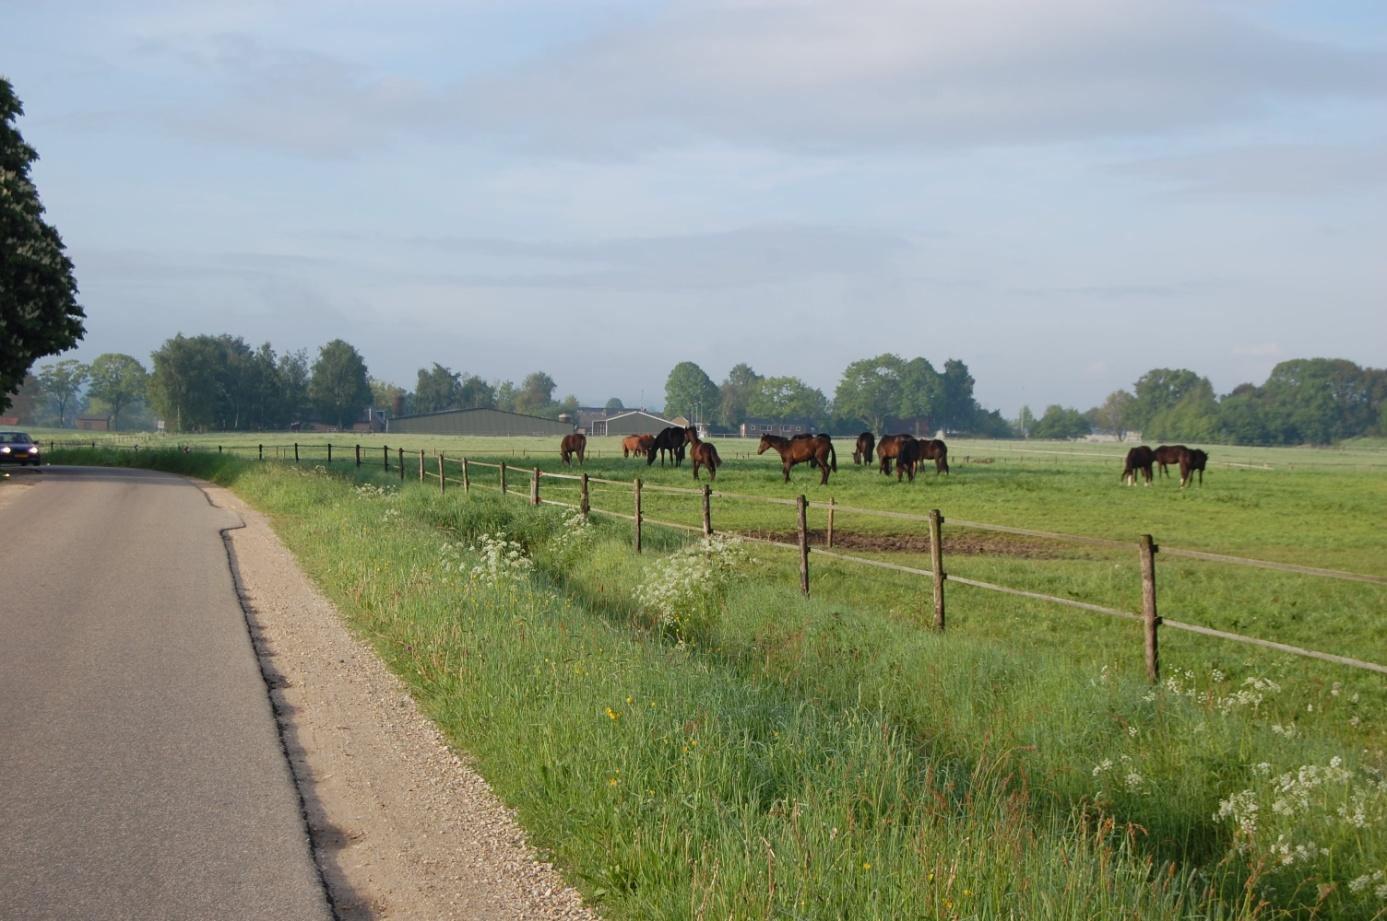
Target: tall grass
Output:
[(776, 756)]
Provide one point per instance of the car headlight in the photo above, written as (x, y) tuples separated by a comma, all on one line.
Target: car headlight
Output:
[(34, 449), (4, 449)]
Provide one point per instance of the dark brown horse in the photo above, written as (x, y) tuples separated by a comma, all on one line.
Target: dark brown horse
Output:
[(702, 453), (908, 454), (821, 438), (934, 449), (1192, 459), (862, 453), (671, 441), (577, 443), (800, 450), (1167, 454), (636, 444), (1139, 458), (888, 448)]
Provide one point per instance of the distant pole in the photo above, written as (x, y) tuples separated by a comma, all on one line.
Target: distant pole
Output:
[(1150, 618), (802, 520), (442, 478), (329, 452), (296, 452), (421, 465), (358, 455), (503, 478), (402, 463), (385, 455), (936, 558), (707, 511), (466, 477), (584, 502), (262, 452), (636, 489), (828, 537)]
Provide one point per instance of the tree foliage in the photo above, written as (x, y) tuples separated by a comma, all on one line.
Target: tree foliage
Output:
[(789, 399), (338, 385), (691, 392), (61, 382), (39, 314), (734, 394), (1061, 422), (436, 389), (119, 381)]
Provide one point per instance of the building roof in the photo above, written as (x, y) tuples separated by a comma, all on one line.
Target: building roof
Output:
[(640, 412)]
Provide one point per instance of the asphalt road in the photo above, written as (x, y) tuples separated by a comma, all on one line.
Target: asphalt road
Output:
[(141, 770)]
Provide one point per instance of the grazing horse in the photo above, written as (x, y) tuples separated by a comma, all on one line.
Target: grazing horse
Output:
[(934, 449), (908, 454), (1192, 459), (821, 438), (702, 453), (798, 450), (888, 448), (1139, 458), (669, 440), (866, 443), (636, 444), (577, 443), (1167, 454)]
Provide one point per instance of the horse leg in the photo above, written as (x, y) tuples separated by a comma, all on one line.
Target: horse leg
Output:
[(786, 465)]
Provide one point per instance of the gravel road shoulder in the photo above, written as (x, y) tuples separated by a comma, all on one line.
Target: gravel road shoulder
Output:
[(402, 827)]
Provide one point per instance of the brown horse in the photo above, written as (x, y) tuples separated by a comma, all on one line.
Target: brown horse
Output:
[(934, 449), (862, 453), (908, 454), (1192, 459), (1139, 458), (799, 450), (1167, 454), (821, 438), (577, 443), (702, 453), (888, 448), (636, 444)]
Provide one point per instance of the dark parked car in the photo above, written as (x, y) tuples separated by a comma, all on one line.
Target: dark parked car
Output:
[(18, 448)]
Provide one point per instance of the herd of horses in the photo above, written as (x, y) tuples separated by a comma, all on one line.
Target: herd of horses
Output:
[(816, 449), (1142, 458)]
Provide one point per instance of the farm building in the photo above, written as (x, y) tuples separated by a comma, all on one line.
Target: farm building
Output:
[(634, 422), (478, 422), (755, 428), (94, 423)]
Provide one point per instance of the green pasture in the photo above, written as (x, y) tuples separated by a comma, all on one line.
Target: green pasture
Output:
[(831, 757)]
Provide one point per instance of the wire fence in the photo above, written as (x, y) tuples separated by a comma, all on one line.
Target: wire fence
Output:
[(525, 482)]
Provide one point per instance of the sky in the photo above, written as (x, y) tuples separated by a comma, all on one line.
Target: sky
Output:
[(1062, 194)]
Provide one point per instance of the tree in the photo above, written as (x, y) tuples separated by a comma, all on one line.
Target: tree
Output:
[(869, 391), (536, 394), (920, 394), (185, 385), (1242, 418), (477, 393), (1160, 389), (506, 396), (614, 405), (1060, 422), (293, 373), (39, 314), (338, 385), (62, 382), (734, 394), (689, 391), (384, 394), (437, 388), (118, 380), (1025, 421), (1114, 414), (1194, 418), (789, 399), (956, 404)]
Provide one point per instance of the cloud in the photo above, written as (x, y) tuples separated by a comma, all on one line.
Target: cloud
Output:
[(804, 75), (1269, 170)]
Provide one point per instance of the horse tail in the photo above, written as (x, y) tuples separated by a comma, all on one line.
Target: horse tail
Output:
[(713, 460), (832, 457)]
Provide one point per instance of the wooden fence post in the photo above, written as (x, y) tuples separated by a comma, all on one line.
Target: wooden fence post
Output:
[(828, 538), (329, 452), (421, 465), (636, 489), (936, 563), (385, 453), (442, 476), (584, 502), (402, 463), (1151, 620), (262, 452), (802, 519), (219, 447), (358, 455), (707, 511), (503, 478), (296, 452), (466, 477), (534, 487)]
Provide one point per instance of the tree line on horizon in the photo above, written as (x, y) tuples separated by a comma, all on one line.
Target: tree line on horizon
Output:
[(221, 383)]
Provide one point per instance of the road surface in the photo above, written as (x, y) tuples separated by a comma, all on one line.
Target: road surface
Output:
[(142, 773)]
